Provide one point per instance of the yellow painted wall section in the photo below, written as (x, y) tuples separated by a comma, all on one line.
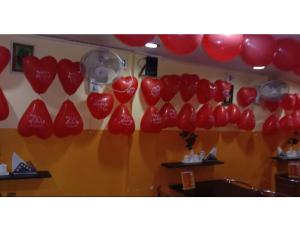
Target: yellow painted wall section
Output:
[(97, 163)]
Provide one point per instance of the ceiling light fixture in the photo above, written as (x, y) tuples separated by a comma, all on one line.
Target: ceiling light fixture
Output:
[(259, 67), (151, 45)]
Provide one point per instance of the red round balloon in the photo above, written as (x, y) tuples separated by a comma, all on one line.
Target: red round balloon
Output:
[(271, 105), (296, 119), (221, 116), (69, 75), (222, 47), (187, 118), (205, 91), (121, 121), (151, 121), (205, 117), (135, 40), (246, 96), (151, 89), (124, 88), (40, 73), (100, 104), (4, 110), (188, 86), (297, 103), (181, 44), (288, 102), (234, 114), (222, 91), (171, 85), (271, 125), (4, 58), (247, 120), (287, 123), (36, 120), (169, 115), (68, 120), (258, 50), (287, 54)]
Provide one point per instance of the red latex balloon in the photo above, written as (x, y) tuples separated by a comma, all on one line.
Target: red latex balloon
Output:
[(286, 123), (68, 120), (40, 72), (121, 121), (151, 121), (234, 114), (296, 119), (4, 110), (297, 103), (271, 105), (100, 104), (246, 96), (221, 116), (181, 44), (4, 58), (69, 75), (151, 89), (205, 117), (188, 86), (135, 40), (36, 120), (288, 102), (247, 121), (222, 47), (258, 50), (206, 91), (271, 125), (125, 88), (168, 115), (187, 118), (223, 89), (287, 54), (171, 85)]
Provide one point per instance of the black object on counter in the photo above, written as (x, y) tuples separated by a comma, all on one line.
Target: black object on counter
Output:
[(38, 174), (185, 165)]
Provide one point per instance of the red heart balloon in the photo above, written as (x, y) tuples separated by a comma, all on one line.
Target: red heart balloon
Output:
[(188, 86), (287, 123), (258, 49), (296, 119), (151, 89), (69, 75), (246, 96), (288, 102), (40, 72), (187, 118), (271, 125), (234, 114), (222, 47), (181, 44), (287, 54), (4, 58), (171, 85), (247, 121), (297, 103), (271, 105), (151, 121), (205, 117), (68, 120), (36, 120), (121, 121), (221, 116), (206, 91), (125, 88), (100, 104), (223, 89), (135, 40), (4, 110), (168, 115)]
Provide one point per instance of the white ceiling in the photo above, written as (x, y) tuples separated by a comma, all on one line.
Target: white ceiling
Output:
[(199, 56)]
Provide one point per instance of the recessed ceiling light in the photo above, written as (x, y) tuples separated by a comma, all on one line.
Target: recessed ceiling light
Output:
[(259, 67), (151, 45)]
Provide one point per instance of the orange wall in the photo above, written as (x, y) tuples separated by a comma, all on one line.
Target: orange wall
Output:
[(99, 163)]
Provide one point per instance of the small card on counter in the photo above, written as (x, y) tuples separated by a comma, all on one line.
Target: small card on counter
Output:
[(188, 180)]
